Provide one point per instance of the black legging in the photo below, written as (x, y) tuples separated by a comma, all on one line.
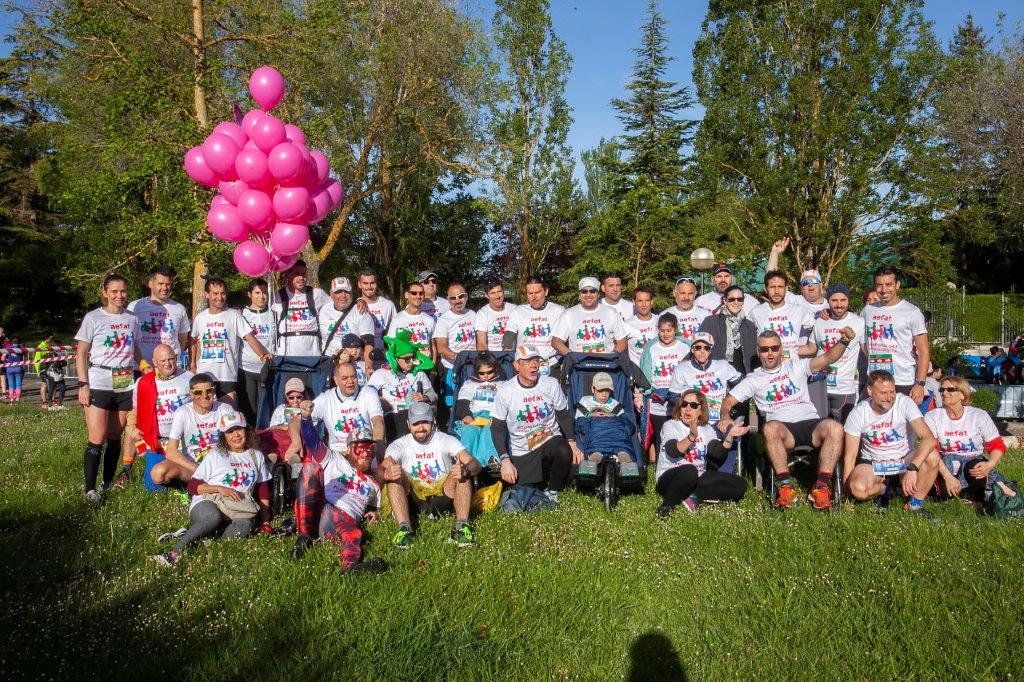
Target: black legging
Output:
[(554, 455), (675, 485), (249, 394), (657, 422)]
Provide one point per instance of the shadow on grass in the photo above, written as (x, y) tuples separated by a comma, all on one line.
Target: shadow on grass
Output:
[(652, 657)]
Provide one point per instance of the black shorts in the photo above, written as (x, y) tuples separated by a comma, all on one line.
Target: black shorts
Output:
[(110, 400), (225, 387), (905, 390), (432, 506), (803, 431)]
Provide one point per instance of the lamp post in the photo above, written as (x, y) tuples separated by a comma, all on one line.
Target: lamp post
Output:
[(701, 260)]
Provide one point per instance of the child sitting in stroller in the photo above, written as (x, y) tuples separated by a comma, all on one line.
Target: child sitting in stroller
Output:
[(473, 409), (603, 427)]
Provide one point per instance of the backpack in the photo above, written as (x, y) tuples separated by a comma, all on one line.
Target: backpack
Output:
[(285, 300), (1006, 501)]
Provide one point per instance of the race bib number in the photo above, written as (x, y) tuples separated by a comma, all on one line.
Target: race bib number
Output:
[(888, 467), (880, 361), (832, 376), (213, 350), (537, 437), (122, 378), (714, 410)]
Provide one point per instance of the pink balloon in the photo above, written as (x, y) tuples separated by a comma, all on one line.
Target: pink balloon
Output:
[(195, 166), (255, 207), (336, 192), (281, 263), (267, 133), (323, 166), (219, 200), (322, 201), (290, 202), (225, 223), (295, 134), (288, 238), (266, 85), (250, 120), (285, 162), (220, 152), (232, 190), (232, 130), (251, 166), (251, 259)]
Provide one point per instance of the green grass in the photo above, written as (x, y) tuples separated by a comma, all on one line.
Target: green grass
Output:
[(734, 592)]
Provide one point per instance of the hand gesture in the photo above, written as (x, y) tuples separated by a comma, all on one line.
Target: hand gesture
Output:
[(307, 408), (953, 486), (781, 245), (694, 425), (361, 306), (457, 472), (981, 470), (393, 472), (738, 431), (419, 397), (848, 334)]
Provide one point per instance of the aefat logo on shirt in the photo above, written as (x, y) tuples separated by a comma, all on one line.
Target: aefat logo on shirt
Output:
[(784, 328), (535, 413), (118, 340), (712, 385), (418, 334), (950, 446), (780, 389), (357, 484), (158, 323), (878, 332), (236, 478), (463, 335), (165, 406), (590, 333), (536, 331), (426, 471), (350, 421)]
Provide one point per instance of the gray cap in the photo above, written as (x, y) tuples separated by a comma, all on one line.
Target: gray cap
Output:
[(420, 412)]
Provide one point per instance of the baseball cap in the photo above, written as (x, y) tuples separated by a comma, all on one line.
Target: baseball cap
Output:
[(589, 283), (526, 353), (360, 434), (420, 412), (602, 382), (704, 337), (231, 420), (341, 284), (294, 384), (721, 267), (810, 277), (351, 341), (424, 274)]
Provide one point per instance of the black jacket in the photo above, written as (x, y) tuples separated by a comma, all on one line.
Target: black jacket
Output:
[(715, 325)]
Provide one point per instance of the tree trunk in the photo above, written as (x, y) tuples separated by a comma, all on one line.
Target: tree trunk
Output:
[(312, 259), (203, 120)]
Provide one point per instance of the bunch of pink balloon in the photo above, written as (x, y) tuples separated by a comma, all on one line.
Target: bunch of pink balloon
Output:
[(271, 187)]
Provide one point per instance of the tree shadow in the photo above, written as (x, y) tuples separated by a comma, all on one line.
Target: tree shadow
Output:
[(653, 657)]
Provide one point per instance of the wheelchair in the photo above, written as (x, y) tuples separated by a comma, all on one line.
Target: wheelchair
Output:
[(801, 459)]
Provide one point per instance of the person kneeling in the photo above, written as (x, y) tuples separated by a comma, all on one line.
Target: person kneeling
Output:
[(691, 452), (223, 488), (431, 471)]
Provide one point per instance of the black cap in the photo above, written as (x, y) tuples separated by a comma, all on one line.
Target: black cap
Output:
[(351, 341)]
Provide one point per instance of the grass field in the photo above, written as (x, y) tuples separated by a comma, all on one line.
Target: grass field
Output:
[(733, 592)]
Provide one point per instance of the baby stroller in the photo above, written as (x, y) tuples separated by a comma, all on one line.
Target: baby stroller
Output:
[(609, 478), (315, 373)]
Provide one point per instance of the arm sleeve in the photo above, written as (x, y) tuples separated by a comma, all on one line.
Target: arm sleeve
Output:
[(989, 432), (371, 403), (423, 383), (480, 322), (193, 486), (565, 424), (263, 490), (462, 409), (716, 454), (499, 435), (917, 325)]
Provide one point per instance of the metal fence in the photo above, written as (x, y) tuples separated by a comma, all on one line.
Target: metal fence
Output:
[(970, 318)]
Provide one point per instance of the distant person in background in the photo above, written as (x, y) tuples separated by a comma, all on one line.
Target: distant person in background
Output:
[(263, 322), (54, 371), (15, 372), (994, 366), (42, 350)]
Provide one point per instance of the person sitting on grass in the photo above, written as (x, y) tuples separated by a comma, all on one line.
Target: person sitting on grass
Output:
[(473, 409), (965, 435), (403, 382), (223, 487), (691, 453), (603, 427), (878, 448), (336, 493), (432, 472)]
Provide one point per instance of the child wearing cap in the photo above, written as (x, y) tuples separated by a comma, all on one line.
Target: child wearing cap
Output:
[(606, 437), (402, 382), (232, 476)]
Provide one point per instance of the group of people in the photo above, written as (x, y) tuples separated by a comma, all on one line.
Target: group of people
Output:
[(811, 372), (49, 364)]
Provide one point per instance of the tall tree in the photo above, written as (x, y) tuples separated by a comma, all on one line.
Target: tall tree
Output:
[(812, 109)]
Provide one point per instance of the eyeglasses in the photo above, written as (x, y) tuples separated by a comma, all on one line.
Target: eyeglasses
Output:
[(686, 280), (458, 297), (700, 346), (415, 293), (430, 280), (769, 349), (202, 392), (691, 404), (588, 291), (734, 299), (948, 389)]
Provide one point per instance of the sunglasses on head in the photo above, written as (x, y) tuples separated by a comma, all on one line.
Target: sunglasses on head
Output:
[(692, 404), (734, 299), (588, 291), (686, 280), (458, 297), (204, 392), (769, 349), (948, 389)]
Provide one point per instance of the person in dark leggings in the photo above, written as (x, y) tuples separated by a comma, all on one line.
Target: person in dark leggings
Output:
[(691, 453)]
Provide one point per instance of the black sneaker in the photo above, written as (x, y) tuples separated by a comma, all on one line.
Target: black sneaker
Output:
[(302, 544), (371, 566), (663, 511), (463, 536)]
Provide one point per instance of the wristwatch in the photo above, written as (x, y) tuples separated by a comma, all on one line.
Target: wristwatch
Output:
[(912, 467)]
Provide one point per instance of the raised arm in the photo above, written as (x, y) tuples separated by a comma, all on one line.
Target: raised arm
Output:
[(834, 353)]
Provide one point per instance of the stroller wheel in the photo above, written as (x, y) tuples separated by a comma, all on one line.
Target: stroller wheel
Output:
[(279, 489), (610, 485)]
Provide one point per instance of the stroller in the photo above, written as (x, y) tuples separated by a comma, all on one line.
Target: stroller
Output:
[(610, 478), (315, 373), (462, 370)]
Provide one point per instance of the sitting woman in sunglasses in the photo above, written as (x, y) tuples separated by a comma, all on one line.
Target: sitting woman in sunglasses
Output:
[(969, 443), (473, 408), (690, 455)]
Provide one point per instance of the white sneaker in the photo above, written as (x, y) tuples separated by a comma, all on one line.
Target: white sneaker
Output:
[(94, 497), (173, 535)]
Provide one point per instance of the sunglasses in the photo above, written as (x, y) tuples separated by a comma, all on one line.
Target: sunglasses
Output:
[(416, 293), (946, 389), (588, 291), (430, 280), (734, 299), (686, 280), (806, 282), (407, 358), (769, 349), (203, 392), (701, 346), (294, 396), (690, 403), (458, 297)]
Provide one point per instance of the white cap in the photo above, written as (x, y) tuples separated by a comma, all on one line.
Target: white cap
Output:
[(589, 283), (527, 353), (294, 384), (231, 420), (602, 382), (341, 284)]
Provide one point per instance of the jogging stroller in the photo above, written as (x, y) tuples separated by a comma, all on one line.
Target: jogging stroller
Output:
[(609, 477), (315, 373)]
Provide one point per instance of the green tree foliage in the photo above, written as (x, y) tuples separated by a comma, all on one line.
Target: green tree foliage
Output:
[(812, 110)]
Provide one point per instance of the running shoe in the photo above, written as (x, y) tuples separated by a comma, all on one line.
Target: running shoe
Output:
[(370, 566), (786, 496), (164, 560), (173, 535), (922, 513), (663, 512), (94, 497), (690, 504), (403, 538), (462, 536), (302, 544), (821, 498)]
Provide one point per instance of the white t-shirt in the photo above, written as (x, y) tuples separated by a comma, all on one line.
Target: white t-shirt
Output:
[(220, 339), (112, 344), (396, 390), (964, 438), (170, 395), (530, 412), (590, 331), (420, 325), (458, 330), (689, 321), (360, 324), (159, 323), (662, 362), (494, 323), (842, 376), (382, 311), (697, 455), (426, 464), (536, 327), (812, 308), (342, 415), (437, 307), (623, 307), (240, 471), (788, 321), (782, 394), (884, 437), (889, 336), (712, 301), (713, 382), (283, 414), (638, 333), (480, 395), (352, 492), (197, 433), (264, 329), (299, 319)]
